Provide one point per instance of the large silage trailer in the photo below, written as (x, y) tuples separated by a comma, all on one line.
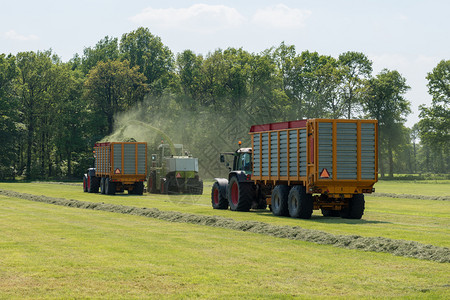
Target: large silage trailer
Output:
[(298, 166), (119, 166)]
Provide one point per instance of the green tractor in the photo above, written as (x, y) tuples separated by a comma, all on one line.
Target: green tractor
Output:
[(174, 171)]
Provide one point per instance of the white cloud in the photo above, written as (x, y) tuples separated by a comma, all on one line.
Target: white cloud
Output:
[(281, 16), (201, 18), (13, 35)]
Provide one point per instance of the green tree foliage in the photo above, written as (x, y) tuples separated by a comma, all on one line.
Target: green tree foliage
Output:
[(385, 102), (112, 87), (106, 49), (8, 116), (33, 80), (51, 113), (355, 69), (435, 120), (141, 48)]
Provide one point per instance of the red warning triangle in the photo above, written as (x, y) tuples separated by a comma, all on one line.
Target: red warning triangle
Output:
[(178, 175), (324, 173), (117, 171)]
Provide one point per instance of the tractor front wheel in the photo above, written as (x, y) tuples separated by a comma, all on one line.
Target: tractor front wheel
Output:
[(217, 198)]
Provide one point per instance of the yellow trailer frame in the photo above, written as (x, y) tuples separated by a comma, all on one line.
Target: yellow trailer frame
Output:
[(331, 186)]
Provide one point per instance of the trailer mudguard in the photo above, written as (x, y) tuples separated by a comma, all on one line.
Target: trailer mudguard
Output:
[(223, 184)]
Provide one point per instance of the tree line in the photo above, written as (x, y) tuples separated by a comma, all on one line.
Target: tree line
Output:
[(52, 112)]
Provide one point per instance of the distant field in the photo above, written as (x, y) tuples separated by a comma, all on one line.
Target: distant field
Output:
[(49, 251), (419, 187), (424, 221)]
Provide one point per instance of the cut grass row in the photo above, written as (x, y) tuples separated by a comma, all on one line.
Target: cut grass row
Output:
[(51, 251), (376, 244), (424, 221)]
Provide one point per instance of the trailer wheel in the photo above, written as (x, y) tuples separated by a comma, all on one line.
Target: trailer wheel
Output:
[(102, 185), (300, 203), (85, 183), (280, 200), (110, 187), (355, 209), (217, 198), (138, 188), (240, 194)]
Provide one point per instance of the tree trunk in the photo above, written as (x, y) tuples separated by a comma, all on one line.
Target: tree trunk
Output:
[(69, 164), (29, 144), (391, 160)]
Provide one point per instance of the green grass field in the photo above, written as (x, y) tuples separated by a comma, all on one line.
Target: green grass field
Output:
[(49, 251)]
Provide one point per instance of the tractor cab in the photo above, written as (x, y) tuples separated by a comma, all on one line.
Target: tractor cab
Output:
[(242, 160)]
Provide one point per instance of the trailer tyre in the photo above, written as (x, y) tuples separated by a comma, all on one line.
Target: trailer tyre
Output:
[(217, 198), (355, 209), (280, 200), (240, 194), (300, 203), (138, 188), (110, 187), (102, 185)]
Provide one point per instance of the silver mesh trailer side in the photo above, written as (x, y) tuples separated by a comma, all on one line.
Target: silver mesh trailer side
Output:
[(256, 154), (129, 157), (326, 148), (367, 151), (265, 154), (117, 164), (283, 153), (293, 153), (346, 151), (141, 158), (303, 141), (274, 154)]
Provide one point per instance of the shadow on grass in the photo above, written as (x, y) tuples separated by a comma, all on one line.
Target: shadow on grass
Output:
[(320, 219)]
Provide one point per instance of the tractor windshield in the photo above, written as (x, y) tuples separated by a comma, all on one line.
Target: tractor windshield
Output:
[(244, 162)]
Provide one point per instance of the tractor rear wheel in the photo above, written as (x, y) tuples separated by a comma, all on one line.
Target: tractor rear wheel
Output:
[(93, 184), (300, 204), (85, 183), (217, 198), (240, 194), (280, 200), (355, 208)]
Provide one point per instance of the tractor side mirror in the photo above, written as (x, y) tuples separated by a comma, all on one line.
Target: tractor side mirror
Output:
[(222, 158)]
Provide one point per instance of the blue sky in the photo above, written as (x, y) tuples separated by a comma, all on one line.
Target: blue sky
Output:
[(408, 36)]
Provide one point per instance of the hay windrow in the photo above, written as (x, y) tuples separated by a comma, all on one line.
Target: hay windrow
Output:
[(409, 196), (375, 244)]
